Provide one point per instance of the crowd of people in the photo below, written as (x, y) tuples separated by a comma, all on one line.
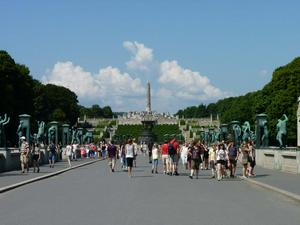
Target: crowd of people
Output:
[(220, 157)]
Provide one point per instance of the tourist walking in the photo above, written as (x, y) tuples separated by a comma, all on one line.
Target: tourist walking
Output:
[(195, 153), (172, 158), (165, 157), (36, 156), (112, 156), (245, 158), (233, 155), (74, 152), (129, 151), (155, 156), (251, 158), (51, 154), (204, 150), (103, 150), (68, 154), (212, 159), (221, 161), (136, 152), (176, 156), (24, 154), (122, 155), (184, 155)]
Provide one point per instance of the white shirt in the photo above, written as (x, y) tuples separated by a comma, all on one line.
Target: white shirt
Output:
[(68, 150), (129, 151), (155, 153), (184, 151), (221, 154)]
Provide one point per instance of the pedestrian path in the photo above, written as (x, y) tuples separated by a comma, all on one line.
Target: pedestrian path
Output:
[(285, 181), (14, 177), (279, 180)]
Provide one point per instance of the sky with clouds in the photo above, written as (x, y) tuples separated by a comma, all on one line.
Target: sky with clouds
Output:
[(192, 52)]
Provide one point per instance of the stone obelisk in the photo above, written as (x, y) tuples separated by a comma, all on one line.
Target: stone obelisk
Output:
[(148, 105)]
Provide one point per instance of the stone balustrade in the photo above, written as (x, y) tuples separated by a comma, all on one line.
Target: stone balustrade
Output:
[(287, 160)]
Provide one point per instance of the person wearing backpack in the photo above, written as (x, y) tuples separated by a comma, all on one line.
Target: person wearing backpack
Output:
[(195, 154), (172, 160)]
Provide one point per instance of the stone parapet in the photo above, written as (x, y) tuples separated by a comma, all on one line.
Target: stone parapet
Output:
[(284, 160)]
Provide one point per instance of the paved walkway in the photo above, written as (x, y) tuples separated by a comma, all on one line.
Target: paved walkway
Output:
[(93, 195), (13, 177), (284, 181)]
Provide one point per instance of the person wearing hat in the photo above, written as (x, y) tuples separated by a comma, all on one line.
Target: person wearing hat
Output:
[(24, 150)]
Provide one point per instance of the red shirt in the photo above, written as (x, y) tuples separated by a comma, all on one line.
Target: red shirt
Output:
[(175, 145), (164, 149)]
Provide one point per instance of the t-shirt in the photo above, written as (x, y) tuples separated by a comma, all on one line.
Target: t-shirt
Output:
[(184, 151), (52, 148), (195, 152), (221, 154), (129, 151), (176, 145), (155, 153), (112, 151), (69, 150), (212, 154), (232, 152), (164, 149)]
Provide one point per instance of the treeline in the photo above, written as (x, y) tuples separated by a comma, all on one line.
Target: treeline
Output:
[(21, 94), (96, 112), (279, 96)]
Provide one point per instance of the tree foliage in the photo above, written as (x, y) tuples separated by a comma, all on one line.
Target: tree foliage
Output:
[(276, 98), (21, 94), (95, 111)]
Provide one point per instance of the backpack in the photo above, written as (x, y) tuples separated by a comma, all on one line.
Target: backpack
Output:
[(171, 149)]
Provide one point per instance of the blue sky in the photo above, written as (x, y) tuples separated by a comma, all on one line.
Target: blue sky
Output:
[(192, 52)]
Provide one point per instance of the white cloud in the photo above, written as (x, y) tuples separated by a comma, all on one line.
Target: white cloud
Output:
[(109, 86), (187, 84), (142, 56), (173, 87)]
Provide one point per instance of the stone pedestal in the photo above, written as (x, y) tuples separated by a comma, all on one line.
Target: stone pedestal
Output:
[(65, 134), (24, 126), (235, 139), (261, 119), (80, 135), (224, 132), (53, 124)]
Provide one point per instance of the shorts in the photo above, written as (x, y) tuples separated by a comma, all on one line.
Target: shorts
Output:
[(195, 164), (233, 162), (172, 159), (165, 159), (222, 162), (129, 162), (51, 156)]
